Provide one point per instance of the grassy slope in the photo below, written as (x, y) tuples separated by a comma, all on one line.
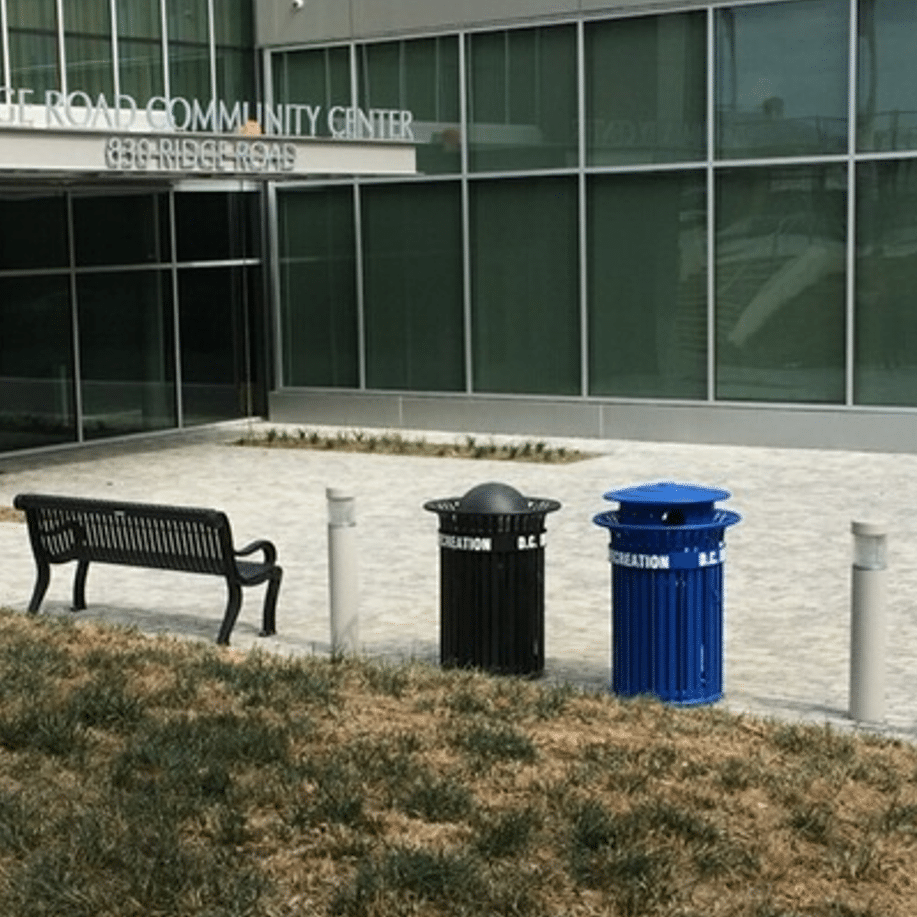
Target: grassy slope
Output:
[(151, 777)]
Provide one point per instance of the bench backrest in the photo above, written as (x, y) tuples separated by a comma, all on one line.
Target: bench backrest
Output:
[(137, 534)]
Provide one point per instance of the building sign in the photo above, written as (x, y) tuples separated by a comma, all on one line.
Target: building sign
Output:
[(184, 136)]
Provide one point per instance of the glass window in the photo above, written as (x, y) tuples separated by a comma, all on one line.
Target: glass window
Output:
[(189, 50), (127, 355), (140, 50), (316, 78), (33, 230), (232, 220), (522, 104), (781, 79), (121, 229), (235, 75), (525, 286), (412, 245), (648, 327), (318, 287), (214, 312), (886, 275), (887, 79), (421, 77), (780, 283), (33, 46), (87, 36), (646, 89), (36, 362)]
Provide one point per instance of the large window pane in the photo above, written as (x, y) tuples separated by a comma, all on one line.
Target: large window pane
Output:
[(317, 78), (33, 46), (318, 287), (140, 50), (646, 89), (781, 87), (87, 36), (215, 313), (189, 50), (127, 355), (412, 246), (36, 362), (887, 79), (233, 226), (522, 99), (121, 229), (886, 320), (780, 283), (648, 328), (422, 77), (33, 230), (525, 286)]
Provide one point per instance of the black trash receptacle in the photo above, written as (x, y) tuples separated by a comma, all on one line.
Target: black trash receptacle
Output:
[(667, 550), (491, 544)]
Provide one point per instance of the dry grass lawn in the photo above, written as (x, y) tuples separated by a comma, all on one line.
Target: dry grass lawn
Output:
[(150, 777)]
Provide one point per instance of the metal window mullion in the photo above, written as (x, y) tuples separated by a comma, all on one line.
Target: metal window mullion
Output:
[(850, 308), (164, 25), (5, 50), (74, 324), (466, 219), (358, 270), (583, 224), (212, 50), (61, 50), (176, 314), (115, 50), (711, 209)]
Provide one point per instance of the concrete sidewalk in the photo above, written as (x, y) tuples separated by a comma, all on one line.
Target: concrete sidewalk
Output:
[(787, 573)]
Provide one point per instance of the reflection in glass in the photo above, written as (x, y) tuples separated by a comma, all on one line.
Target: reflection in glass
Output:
[(886, 276), (315, 78), (127, 354), (887, 77), (214, 322), (522, 108), (412, 246), (525, 286), (121, 229), (780, 283), (648, 327), (36, 362), (33, 230), (318, 294), (421, 77), (781, 79), (140, 50), (232, 220), (189, 50), (87, 38), (646, 89), (33, 46)]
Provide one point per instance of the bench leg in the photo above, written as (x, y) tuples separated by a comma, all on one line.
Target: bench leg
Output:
[(79, 585), (232, 612), (41, 585), (268, 620)]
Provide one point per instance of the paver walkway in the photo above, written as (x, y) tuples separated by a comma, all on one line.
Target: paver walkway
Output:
[(788, 567)]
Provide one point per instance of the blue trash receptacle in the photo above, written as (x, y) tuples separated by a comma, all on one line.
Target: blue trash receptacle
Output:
[(667, 551)]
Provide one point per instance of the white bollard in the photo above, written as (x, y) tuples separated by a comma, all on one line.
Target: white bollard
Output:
[(342, 571), (867, 623)]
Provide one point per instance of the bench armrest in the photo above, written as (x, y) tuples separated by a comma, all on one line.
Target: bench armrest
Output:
[(270, 552)]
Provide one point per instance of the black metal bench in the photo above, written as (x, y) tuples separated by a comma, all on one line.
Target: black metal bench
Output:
[(182, 538)]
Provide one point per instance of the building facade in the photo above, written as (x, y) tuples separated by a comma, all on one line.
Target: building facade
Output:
[(662, 220)]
